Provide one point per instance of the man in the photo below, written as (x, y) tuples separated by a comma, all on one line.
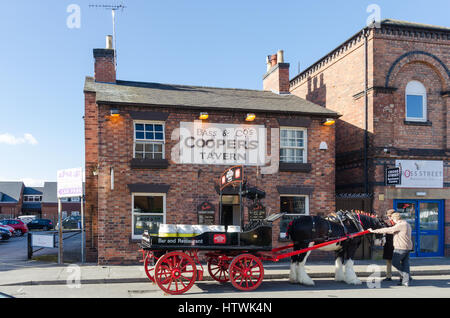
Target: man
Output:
[(402, 246), (388, 248)]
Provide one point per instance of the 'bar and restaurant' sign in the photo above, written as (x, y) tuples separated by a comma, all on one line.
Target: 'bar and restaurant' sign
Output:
[(222, 144)]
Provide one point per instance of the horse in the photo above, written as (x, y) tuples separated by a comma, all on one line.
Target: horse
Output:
[(306, 231)]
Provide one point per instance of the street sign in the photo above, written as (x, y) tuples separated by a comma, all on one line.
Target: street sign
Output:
[(43, 240), (393, 176)]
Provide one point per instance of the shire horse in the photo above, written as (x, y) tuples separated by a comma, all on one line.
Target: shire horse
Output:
[(306, 231)]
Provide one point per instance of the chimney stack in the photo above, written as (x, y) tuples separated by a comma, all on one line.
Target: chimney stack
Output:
[(105, 68), (276, 78)]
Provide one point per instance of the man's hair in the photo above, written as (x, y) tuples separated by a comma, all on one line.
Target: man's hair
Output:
[(390, 212), (396, 216)]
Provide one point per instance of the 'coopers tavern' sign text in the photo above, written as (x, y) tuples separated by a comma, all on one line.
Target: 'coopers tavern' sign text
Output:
[(222, 144)]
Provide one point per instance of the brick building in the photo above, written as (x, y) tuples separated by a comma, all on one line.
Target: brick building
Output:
[(391, 84), (16, 199), (149, 157)]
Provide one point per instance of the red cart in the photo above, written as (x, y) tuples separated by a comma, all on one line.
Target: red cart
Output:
[(173, 264)]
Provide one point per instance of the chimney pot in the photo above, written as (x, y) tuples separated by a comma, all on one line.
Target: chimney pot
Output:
[(273, 60), (280, 56), (109, 42)]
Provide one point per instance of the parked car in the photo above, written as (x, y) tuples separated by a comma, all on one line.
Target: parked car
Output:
[(40, 224), (27, 218), (19, 227), (71, 223), (8, 228), (5, 234)]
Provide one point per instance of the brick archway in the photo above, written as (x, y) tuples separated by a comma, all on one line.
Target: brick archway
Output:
[(420, 57)]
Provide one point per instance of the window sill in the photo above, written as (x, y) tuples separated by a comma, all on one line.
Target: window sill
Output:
[(295, 167), (149, 163), (417, 123)]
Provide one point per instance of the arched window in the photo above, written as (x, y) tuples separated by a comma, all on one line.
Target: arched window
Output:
[(416, 101)]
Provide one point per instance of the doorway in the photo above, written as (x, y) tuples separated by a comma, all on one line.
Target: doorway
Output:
[(231, 212), (426, 218)]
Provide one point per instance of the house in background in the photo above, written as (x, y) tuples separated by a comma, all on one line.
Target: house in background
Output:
[(11, 198), (17, 200)]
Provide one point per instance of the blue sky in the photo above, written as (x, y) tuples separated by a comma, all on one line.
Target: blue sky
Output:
[(43, 62)]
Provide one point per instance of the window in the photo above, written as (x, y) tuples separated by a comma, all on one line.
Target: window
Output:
[(148, 209), (416, 101), (293, 145), (149, 140), (294, 206), (32, 198)]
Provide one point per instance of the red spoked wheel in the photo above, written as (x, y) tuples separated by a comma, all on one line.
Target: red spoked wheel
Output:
[(218, 269), (149, 267), (246, 272), (175, 273)]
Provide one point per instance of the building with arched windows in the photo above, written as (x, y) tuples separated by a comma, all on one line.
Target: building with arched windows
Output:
[(391, 83)]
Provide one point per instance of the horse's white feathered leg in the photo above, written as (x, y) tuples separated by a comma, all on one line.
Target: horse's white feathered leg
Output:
[(302, 276), (293, 273), (350, 275), (339, 275)]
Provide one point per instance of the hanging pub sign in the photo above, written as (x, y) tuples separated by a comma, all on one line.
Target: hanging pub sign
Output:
[(230, 176), (393, 176), (256, 212), (206, 213)]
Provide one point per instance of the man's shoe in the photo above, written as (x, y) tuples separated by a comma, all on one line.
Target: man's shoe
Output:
[(406, 284)]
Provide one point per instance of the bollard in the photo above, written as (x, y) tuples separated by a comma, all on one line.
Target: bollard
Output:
[(29, 246)]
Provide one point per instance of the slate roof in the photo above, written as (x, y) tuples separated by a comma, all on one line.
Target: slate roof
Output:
[(198, 97), (49, 193), (10, 191), (393, 22), (33, 190)]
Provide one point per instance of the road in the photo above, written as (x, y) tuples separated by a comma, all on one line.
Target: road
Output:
[(422, 287), (14, 250)]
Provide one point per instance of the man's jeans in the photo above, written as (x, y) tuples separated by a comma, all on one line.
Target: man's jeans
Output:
[(400, 260)]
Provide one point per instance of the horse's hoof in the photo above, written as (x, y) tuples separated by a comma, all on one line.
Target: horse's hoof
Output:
[(354, 282)]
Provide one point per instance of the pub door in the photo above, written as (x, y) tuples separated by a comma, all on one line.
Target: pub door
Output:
[(426, 218), (230, 210)]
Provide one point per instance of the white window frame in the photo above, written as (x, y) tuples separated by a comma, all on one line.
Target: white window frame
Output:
[(283, 235), (418, 89), (305, 143), (137, 237), (149, 142)]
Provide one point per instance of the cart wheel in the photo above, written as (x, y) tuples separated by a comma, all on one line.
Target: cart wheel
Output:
[(175, 273), (149, 266), (246, 272), (218, 269)]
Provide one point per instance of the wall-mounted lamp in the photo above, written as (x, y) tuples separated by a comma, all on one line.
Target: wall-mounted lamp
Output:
[(115, 112), (250, 117), (329, 122), (203, 116)]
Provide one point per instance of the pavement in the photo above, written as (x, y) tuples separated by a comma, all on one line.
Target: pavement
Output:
[(26, 273)]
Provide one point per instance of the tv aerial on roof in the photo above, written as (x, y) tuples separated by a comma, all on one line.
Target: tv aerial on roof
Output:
[(113, 9)]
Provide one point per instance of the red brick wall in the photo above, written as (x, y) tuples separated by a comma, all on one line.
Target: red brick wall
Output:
[(190, 185), (91, 161), (396, 56)]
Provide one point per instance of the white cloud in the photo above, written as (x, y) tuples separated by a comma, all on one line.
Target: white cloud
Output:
[(9, 139)]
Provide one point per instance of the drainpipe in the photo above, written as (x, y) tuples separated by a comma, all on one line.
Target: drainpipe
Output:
[(366, 109)]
